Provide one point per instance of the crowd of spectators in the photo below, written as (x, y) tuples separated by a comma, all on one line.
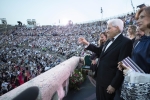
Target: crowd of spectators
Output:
[(26, 52)]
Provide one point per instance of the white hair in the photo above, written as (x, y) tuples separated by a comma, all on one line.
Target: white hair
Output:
[(116, 22)]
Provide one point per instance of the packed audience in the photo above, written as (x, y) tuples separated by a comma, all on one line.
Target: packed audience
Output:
[(26, 53)]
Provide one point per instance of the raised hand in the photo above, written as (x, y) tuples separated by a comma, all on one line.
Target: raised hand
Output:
[(82, 40)]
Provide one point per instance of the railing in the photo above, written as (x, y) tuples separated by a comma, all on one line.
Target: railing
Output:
[(51, 85)]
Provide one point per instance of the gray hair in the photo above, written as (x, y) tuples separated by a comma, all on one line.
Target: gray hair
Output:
[(116, 22)]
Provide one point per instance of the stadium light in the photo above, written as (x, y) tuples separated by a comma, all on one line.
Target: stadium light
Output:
[(4, 23), (19, 23), (29, 22), (132, 6), (33, 21), (3, 20)]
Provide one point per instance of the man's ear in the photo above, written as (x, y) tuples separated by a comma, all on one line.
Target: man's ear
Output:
[(118, 30)]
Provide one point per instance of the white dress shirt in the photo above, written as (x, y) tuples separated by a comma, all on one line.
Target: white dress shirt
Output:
[(111, 42)]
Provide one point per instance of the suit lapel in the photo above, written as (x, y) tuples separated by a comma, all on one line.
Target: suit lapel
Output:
[(113, 45)]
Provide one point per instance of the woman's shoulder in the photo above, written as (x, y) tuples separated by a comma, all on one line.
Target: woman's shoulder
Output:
[(145, 38), (145, 41)]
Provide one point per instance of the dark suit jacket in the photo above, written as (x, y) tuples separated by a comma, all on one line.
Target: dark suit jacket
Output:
[(108, 73)]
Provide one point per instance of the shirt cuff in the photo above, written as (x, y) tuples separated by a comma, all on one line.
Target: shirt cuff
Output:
[(87, 45)]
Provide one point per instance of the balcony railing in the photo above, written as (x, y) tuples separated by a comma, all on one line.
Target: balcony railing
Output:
[(51, 85)]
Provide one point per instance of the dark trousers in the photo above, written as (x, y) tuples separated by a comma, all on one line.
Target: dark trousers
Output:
[(101, 93), (117, 95)]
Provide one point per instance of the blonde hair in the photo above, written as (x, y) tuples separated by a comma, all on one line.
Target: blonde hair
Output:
[(133, 27)]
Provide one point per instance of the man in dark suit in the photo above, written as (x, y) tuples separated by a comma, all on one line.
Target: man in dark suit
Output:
[(117, 47)]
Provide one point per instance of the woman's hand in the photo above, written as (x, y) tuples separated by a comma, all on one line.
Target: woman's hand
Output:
[(126, 69)]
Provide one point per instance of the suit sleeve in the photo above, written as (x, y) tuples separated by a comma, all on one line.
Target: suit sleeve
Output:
[(125, 51), (95, 49)]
